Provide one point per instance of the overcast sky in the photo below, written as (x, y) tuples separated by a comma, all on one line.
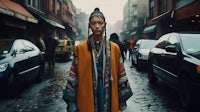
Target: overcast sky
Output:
[(112, 9)]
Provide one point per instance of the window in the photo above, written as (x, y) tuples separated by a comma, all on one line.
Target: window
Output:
[(19, 47), (43, 5), (151, 10), (190, 42), (52, 6), (30, 2), (5, 46), (181, 3), (162, 42), (29, 46), (34, 3), (162, 6), (172, 40), (68, 43), (58, 9)]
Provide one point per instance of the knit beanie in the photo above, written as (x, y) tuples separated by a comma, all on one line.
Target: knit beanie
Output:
[(98, 13)]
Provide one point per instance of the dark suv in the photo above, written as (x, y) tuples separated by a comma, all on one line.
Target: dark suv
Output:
[(176, 60)]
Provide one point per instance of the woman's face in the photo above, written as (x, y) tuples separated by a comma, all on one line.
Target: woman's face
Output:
[(97, 25)]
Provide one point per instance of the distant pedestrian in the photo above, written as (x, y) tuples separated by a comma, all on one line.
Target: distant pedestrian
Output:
[(125, 47), (51, 44), (131, 45), (41, 44), (115, 38)]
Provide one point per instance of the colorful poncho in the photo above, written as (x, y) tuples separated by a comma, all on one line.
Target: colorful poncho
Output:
[(81, 90)]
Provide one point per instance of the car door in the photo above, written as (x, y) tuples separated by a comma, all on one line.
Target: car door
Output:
[(171, 59), (157, 55), (135, 51), (33, 59), (20, 59)]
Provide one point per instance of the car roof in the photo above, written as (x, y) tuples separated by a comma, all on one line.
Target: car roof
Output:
[(7, 39), (147, 40), (11, 39), (185, 32)]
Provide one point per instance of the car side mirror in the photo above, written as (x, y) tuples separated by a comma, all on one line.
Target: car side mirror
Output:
[(14, 52), (171, 48), (21, 51), (135, 48)]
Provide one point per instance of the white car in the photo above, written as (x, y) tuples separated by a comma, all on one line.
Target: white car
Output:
[(77, 42), (140, 53)]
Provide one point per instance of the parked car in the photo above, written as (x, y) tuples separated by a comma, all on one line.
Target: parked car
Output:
[(140, 53), (20, 62), (64, 49), (175, 60), (77, 42)]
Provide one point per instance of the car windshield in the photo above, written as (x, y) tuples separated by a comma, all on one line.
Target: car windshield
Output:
[(62, 41), (147, 44), (191, 43), (5, 46), (77, 42)]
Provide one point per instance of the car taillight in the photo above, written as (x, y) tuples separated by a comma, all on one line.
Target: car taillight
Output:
[(198, 69)]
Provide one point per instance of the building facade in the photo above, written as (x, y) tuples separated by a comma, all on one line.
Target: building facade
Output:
[(133, 19), (15, 20), (161, 17), (82, 25), (172, 16), (51, 15)]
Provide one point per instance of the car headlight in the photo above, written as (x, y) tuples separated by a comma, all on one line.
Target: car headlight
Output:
[(143, 56), (3, 67)]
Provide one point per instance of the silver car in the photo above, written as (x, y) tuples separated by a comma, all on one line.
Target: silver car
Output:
[(140, 53)]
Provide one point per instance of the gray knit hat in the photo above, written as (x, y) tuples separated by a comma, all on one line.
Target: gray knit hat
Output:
[(97, 12)]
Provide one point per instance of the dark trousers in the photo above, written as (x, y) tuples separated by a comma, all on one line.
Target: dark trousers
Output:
[(51, 59), (130, 53)]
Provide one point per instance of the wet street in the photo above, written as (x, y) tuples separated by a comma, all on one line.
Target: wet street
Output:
[(47, 95)]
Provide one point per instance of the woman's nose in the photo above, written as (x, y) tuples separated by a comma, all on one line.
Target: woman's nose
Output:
[(97, 25)]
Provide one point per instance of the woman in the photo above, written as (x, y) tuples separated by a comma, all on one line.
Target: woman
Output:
[(97, 80)]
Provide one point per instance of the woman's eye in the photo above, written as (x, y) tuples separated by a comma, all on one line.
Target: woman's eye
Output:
[(99, 23), (93, 23)]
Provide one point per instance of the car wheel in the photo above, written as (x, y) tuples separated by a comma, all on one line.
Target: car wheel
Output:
[(132, 62), (151, 75), (138, 67), (11, 89), (40, 74), (187, 96), (67, 56)]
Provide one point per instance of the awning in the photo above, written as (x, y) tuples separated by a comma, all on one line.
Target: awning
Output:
[(126, 32), (73, 28), (164, 15), (149, 29), (13, 9), (51, 22), (133, 33)]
